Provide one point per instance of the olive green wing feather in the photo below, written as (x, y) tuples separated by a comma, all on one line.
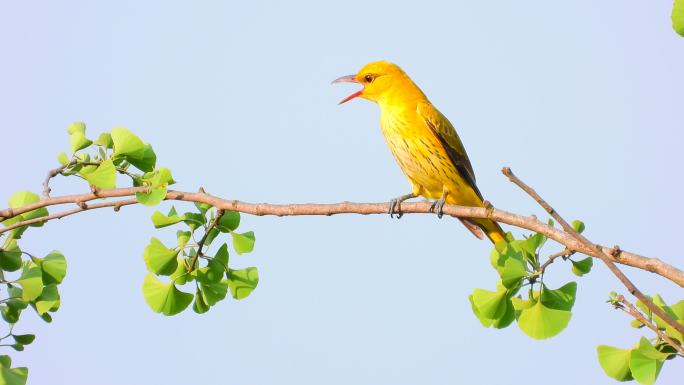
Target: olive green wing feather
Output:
[(448, 138)]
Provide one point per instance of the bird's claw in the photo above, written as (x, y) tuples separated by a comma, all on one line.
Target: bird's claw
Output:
[(395, 205), (395, 208), (438, 207)]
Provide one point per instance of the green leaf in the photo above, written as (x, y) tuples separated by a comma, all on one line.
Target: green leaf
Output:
[(649, 351), (678, 310), (31, 282), (126, 144), (159, 258), (222, 255), (579, 268), (183, 237), (161, 178), (536, 241), (489, 304), (146, 161), (199, 306), (214, 292), (503, 321), (77, 137), (181, 276), (678, 16), (24, 339), (645, 362), (105, 140), (10, 256), (203, 207), (5, 361), (243, 243), (541, 322), (523, 247), (578, 225), (10, 315), (46, 317), (486, 322), (520, 304), (157, 182), (13, 376), (24, 198), (242, 282), (229, 221), (160, 220), (15, 294), (17, 347), (562, 298), (76, 127), (164, 298), (549, 316), (194, 220), (153, 198), (48, 300), (507, 318), (104, 176), (54, 267), (63, 159), (676, 315), (509, 262), (513, 271), (212, 273)]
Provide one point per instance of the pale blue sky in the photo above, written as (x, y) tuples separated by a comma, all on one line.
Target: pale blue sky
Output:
[(582, 99)]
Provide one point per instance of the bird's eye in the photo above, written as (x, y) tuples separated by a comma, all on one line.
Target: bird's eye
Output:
[(368, 78)]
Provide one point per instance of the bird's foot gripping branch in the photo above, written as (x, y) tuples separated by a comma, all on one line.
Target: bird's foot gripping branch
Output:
[(190, 272)]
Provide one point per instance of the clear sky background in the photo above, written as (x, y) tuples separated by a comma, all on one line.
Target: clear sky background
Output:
[(582, 99)]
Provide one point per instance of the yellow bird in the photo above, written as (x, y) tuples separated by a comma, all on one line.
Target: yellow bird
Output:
[(423, 142)]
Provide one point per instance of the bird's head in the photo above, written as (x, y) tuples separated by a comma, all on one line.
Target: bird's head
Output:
[(379, 79)]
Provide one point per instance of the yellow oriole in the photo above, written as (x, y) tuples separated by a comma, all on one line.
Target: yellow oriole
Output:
[(423, 142)]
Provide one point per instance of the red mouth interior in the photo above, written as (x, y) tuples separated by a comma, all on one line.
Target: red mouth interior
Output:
[(352, 96)]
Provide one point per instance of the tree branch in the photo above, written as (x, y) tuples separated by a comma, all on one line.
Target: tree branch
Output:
[(531, 223), (607, 258), (53, 173), (626, 306), (83, 207)]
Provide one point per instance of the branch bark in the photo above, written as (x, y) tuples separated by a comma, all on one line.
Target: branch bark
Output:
[(630, 309), (653, 265), (606, 257)]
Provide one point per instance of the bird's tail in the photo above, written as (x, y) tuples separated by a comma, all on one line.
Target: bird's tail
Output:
[(490, 228)]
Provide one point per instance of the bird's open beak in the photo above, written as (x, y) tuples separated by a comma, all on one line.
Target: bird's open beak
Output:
[(348, 79)]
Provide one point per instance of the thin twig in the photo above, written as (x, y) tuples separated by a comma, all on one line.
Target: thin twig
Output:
[(116, 205), (600, 253), (53, 173), (653, 265), (563, 253), (626, 306), (200, 244)]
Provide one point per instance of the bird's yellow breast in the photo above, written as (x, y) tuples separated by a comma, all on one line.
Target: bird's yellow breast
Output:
[(418, 152)]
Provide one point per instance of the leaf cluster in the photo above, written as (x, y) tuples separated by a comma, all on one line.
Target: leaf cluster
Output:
[(188, 262), (645, 359), (521, 294)]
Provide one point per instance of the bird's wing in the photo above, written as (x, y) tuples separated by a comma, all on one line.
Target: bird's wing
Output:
[(446, 134)]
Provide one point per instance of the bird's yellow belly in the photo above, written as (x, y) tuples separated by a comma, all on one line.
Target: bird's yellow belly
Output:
[(422, 159)]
